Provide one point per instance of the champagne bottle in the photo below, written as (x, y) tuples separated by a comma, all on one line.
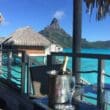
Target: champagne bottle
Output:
[(63, 67)]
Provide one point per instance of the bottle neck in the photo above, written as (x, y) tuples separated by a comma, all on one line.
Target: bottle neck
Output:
[(65, 63), (64, 66)]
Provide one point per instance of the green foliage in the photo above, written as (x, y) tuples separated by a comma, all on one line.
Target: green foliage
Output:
[(97, 44), (55, 34), (58, 36)]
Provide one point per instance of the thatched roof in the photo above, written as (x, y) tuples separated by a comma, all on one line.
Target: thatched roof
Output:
[(102, 7), (2, 39), (26, 37)]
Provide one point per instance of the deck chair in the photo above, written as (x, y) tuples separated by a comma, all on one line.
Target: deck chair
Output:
[(39, 79)]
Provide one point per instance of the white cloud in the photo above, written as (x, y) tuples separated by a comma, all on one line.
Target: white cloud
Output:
[(1, 18), (4, 21), (59, 14)]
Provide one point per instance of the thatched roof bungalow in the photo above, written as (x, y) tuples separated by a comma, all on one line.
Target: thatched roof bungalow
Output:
[(28, 40), (2, 39)]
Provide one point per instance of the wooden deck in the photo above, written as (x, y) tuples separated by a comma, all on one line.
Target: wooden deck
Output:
[(42, 104), (10, 99), (13, 100)]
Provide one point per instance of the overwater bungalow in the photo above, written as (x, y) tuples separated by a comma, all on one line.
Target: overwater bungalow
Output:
[(2, 39), (26, 39), (30, 41)]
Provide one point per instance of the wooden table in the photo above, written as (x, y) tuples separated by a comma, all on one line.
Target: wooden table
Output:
[(42, 104)]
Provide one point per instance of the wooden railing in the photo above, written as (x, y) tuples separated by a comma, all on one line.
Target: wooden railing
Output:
[(100, 74), (9, 76), (25, 62)]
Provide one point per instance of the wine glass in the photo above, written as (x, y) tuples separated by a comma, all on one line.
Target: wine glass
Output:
[(71, 90)]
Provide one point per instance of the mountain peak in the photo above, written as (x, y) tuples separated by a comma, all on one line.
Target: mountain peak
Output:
[(55, 24), (57, 34)]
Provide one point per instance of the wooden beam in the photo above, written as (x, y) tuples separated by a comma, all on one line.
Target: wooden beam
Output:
[(82, 55), (23, 71), (77, 25), (100, 85), (77, 28), (9, 53), (28, 76), (49, 61)]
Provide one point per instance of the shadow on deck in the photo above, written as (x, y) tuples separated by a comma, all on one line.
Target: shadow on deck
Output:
[(10, 99)]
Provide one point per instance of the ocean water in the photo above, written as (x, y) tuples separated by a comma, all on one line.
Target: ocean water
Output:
[(86, 64), (91, 64)]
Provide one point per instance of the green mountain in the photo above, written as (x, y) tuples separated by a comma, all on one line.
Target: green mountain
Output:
[(56, 34), (96, 44)]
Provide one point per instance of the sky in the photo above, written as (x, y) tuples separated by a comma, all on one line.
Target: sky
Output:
[(94, 30), (35, 13), (39, 13)]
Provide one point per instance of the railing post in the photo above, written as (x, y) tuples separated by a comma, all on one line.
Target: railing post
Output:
[(0, 58), (23, 73), (100, 84), (28, 76), (9, 65), (1, 61), (49, 61)]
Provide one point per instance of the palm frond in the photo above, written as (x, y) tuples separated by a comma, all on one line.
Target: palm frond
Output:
[(102, 7)]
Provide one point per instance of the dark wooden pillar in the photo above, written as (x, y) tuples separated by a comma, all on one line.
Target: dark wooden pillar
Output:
[(28, 76), (100, 85), (23, 73), (49, 61), (9, 64), (77, 28)]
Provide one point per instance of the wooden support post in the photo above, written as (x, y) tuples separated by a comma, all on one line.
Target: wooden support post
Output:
[(100, 78), (9, 65), (0, 61), (0, 58), (77, 28), (23, 73), (28, 77), (49, 61), (54, 60)]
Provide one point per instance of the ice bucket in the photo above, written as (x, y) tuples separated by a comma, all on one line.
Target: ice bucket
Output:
[(59, 86)]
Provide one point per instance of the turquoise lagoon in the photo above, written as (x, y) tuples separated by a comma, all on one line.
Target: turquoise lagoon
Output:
[(86, 64), (91, 64)]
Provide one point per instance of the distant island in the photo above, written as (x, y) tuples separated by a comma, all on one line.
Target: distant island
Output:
[(58, 35), (96, 44)]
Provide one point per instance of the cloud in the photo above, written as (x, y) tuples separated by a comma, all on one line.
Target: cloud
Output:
[(59, 14), (1, 18), (4, 22)]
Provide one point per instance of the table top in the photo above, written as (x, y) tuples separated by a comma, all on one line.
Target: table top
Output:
[(80, 105), (107, 96), (43, 102)]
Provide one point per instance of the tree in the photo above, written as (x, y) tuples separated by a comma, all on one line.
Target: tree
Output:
[(102, 7)]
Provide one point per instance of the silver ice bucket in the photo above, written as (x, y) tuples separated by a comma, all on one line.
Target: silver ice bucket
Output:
[(59, 87)]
